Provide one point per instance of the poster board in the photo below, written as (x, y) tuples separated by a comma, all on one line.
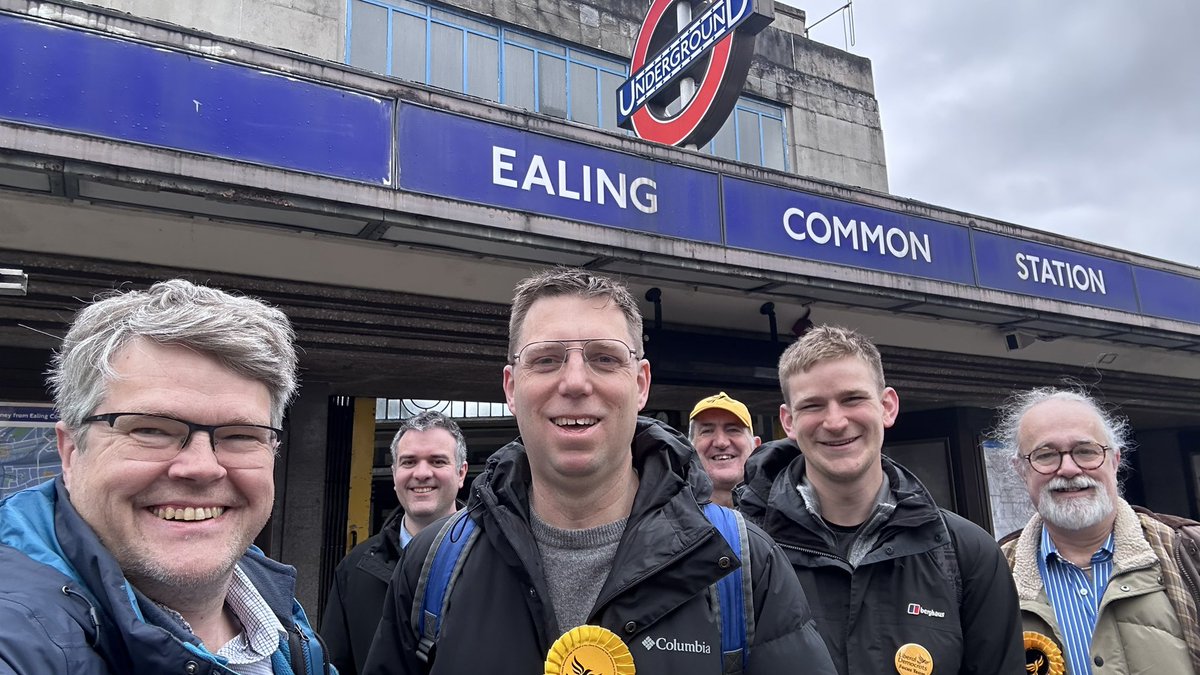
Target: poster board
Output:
[(1009, 499), (28, 449)]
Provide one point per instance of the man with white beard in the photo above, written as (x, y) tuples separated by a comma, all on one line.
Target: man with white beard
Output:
[(1103, 588)]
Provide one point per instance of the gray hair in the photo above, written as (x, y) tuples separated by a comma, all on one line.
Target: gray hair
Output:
[(245, 335), (432, 419), (1007, 430), (570, 281)]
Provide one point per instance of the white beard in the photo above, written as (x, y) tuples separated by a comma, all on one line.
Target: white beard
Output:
[(1076, 513)]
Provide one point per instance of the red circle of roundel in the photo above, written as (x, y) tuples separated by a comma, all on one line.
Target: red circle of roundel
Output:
[(679, 127)]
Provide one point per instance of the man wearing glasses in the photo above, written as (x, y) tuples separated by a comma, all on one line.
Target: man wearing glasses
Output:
[(1104, 587), (589, 532), (137, 559)]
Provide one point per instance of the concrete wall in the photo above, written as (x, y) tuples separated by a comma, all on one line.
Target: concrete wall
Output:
[(833, 122), (313, 27)]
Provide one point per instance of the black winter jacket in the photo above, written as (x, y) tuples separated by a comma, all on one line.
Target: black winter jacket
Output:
[(356, 599), (656, 598), (900, 592)]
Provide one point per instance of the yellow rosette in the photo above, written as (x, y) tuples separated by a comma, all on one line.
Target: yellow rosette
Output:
[(1042, 656), (589, 650)]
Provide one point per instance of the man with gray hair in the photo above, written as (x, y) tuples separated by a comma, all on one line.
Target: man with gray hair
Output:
[(1104, 587), (429, 465), (138, 558)]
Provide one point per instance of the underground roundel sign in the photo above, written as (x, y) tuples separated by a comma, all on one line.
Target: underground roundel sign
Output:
[(715, 50)]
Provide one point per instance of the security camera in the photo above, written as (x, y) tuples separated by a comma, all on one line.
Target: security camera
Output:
[(1015, 341)]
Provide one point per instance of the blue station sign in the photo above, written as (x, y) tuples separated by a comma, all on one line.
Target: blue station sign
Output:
[(802, 225), (461, 158)]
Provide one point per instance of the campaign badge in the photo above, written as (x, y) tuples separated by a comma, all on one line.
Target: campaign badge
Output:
[(589, 650), (1042, 656), (913, 659)]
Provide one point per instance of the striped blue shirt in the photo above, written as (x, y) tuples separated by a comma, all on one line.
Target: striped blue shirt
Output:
[(1075, 598)]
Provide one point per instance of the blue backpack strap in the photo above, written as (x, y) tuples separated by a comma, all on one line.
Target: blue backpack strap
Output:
[(440, 570), (734, 592)]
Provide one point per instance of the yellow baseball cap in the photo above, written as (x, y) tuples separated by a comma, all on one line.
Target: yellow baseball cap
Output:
[(722, 401)]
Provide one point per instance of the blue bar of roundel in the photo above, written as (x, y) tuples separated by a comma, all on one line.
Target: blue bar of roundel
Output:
[(75, 80), (452, 156), (755, 219), (1070, 275), (1168, 295)]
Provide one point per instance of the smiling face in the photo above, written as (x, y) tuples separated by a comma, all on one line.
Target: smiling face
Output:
[(837, 414), (425, 476), (1070, 498), (723, 443), (577, 425), (140, 509)]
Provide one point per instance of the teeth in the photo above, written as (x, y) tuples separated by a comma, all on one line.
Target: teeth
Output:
[(422, 490), (575, 421), (721, 458), (189, 512)]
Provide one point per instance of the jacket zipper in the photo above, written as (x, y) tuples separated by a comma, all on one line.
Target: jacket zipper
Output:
[(1183, 572), (811, 551)]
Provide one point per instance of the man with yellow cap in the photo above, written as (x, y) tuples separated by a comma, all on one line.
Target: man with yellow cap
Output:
[(723, 435)]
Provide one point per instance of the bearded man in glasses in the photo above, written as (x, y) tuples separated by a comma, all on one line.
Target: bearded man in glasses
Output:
[(1105, 587), (137, 559), (589, 534)]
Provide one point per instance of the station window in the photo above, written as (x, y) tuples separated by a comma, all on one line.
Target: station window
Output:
[(404, 408), (424, 43)]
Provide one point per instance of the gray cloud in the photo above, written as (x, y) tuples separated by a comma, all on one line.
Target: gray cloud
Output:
[(1079, 118)]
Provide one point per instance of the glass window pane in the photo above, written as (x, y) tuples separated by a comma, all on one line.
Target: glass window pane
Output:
[(518, 77), (593, 60), (446, 54), (483, 67), (748, 140), (531, 41), (393, 409), (552, 85), (774, 156), (368, 36), (460, 20), (408, 47), (413, 7), (585, 107), (608, 99), (724, 144), (456, 408)]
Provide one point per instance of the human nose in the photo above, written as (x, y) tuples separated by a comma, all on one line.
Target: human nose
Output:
[(835, 417), (1067, 465), (422, 470), (197, 459), (575, 374)]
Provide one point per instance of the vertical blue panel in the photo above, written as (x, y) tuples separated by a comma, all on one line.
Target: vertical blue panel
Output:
[(1171, 296), (802, 225), (461, 158), (75, 80), (1029, 268)]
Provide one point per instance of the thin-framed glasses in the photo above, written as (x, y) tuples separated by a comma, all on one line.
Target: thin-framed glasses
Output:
[(158, 438), (602, 355), (1047, 460)]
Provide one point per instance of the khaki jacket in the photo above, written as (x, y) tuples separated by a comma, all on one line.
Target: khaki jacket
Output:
[(1147, 620)]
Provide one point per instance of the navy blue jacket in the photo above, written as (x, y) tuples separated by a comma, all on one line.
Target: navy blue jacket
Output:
[(65, 606)]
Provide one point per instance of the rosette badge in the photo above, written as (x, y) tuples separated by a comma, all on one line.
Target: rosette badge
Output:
[(1042, 656), (589, 650)]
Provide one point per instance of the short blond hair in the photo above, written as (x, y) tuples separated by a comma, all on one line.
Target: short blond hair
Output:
[(828, 343)]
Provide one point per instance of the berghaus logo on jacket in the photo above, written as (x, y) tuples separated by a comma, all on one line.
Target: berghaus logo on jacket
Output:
[(673, 645), (917, 610)]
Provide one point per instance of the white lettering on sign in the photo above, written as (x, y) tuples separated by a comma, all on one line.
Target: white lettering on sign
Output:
[(860, 236), (582, 183), (1059, 273)]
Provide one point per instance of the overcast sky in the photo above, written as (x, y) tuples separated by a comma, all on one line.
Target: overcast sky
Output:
[(1079, 117)]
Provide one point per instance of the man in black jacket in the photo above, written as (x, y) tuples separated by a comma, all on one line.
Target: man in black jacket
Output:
[(897, 584), (590, 526), (429, 464)]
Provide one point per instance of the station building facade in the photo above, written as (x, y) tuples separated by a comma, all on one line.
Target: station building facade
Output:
[(386, 170)]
